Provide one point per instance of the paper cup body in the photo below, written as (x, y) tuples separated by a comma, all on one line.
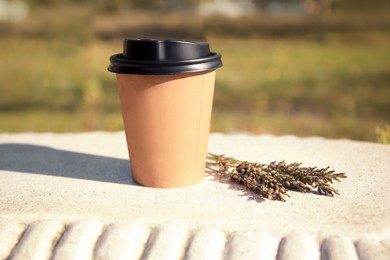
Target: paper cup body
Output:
[(167, 122)]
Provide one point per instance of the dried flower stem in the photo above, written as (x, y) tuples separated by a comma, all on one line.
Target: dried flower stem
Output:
[(275, 179)]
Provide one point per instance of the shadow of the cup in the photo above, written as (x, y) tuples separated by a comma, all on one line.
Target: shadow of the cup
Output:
[(167, 122)]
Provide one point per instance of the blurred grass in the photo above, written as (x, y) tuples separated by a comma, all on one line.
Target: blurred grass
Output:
[(334, 89), (53, 73)]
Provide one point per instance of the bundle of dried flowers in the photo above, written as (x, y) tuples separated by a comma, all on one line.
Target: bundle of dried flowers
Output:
[(275, 179)]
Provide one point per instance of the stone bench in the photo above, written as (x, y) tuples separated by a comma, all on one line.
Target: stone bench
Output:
[(71, 196)]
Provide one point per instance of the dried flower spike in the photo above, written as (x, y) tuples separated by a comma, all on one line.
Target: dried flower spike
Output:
[(275, 179)]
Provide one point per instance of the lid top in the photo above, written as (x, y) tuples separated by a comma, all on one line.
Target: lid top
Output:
[(159, 57), (164, 50)]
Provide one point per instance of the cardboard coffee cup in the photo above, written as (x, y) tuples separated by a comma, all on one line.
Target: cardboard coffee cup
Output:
[(166, 90)]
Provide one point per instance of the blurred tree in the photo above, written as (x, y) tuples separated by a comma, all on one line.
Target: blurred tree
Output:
[(135, 3), (361, 5), (339, 4), (41, 2), (115, 5), (260, 4)]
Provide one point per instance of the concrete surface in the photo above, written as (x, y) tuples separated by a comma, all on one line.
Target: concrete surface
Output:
[(71, 196)]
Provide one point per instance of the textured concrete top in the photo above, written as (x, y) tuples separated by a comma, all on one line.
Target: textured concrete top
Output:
[(71, 196)]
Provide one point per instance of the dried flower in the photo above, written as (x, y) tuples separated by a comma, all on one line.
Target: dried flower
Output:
[(275, 179)]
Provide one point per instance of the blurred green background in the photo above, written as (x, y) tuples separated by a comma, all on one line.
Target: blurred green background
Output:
[(301, 67)]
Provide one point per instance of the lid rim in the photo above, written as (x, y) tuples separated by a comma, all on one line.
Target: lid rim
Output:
[(120, 65), (120, 58)]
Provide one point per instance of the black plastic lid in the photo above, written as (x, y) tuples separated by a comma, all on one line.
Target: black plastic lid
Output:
[(164, 57)]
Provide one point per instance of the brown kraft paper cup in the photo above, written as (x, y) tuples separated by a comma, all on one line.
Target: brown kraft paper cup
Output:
[(167, 122)]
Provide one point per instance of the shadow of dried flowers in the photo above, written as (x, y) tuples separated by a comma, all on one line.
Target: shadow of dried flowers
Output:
[(250, 195)]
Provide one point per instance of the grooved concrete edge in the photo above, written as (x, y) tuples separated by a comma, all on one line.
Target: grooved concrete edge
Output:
[(91, 239)]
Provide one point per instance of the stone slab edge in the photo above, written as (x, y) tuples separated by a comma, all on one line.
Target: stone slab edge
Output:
[(91, 239)]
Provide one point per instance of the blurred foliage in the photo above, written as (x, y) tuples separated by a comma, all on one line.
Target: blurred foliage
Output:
[(281, 75)]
